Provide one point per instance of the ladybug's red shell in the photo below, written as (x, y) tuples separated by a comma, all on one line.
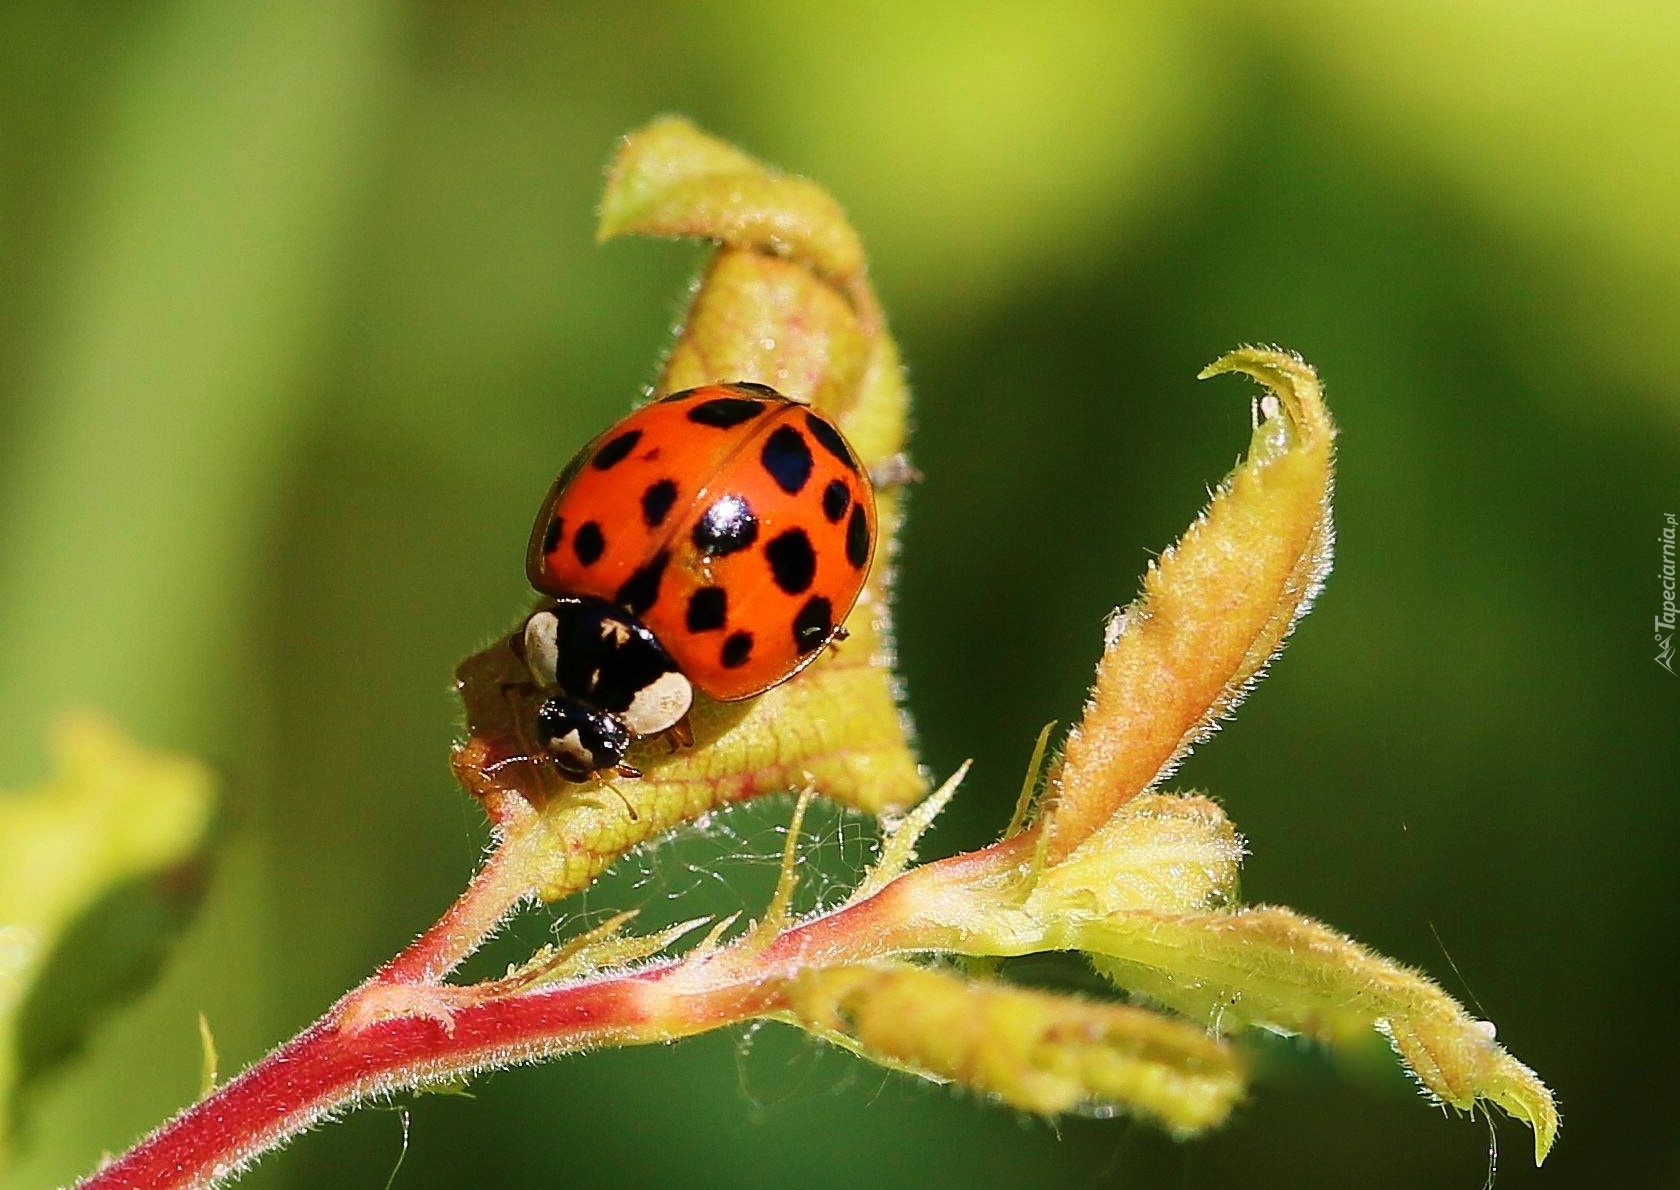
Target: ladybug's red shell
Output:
[(734, 522)]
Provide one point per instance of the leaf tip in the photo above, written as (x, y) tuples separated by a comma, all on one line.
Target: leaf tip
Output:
[(1294, 389), (642, 157)]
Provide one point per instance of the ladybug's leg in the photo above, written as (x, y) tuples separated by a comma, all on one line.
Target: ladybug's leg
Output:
[(894, 472), (680, 734), (835, 636)]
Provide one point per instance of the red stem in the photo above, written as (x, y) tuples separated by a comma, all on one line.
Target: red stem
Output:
[(444, 1032), (328, 1067), (496, 890)]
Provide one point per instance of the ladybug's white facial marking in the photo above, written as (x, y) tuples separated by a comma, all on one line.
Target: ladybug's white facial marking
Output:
[(570, 747), (542, 648), (660, 704)]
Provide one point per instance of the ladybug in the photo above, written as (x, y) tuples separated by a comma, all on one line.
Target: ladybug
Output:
[(714, 540)]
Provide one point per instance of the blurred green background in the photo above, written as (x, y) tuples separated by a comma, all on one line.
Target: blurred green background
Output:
[(300, 312)]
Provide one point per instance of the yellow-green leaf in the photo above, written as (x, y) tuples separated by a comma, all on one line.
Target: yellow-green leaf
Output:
[(1214, 609), (784, 302), (1162, 853), (1274, 968), (113, 811), (1038, 1051), (671, 179)]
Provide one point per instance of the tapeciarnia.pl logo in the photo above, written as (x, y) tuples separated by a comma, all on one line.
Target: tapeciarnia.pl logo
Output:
[(1666, 618)]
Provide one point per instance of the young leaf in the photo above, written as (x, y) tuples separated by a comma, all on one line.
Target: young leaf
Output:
[(113, 812), (671, 179), (1214, 609), (1038, 1051), (1274, 968), (784, 302)]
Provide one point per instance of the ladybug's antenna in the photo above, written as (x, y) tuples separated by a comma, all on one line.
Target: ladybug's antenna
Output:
[(490, 770)]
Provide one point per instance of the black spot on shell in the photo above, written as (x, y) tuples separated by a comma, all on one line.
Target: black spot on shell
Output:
[(723, 412), (614, 452), (657, 501), (836, 499), (787, 457), (813, 625), (824, 432), (726, 527), (857, 537), (793, 563), (641, 590), (551, 535), (708, 609), (588, 543), (737, 649)]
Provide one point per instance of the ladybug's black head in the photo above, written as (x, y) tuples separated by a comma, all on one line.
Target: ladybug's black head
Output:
[(608, 681), (581, 740)]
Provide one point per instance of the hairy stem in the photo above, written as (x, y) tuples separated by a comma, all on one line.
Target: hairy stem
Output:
[(499, 887), (330, 1067)]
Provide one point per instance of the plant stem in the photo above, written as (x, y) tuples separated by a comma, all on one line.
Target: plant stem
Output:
[(404, 1028), (496, 890), (329, 1067)]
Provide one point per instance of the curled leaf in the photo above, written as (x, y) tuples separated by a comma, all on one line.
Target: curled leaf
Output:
[(784, 302), (1145, 884), (671, 179), (1274, 968), (113, 811), (1039, 1051), (1214, 609)]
